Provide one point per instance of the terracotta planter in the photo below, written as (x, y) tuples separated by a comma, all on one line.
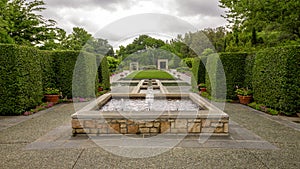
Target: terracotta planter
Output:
[(245, 99), (51, 98), (203, 89), (100, 89)]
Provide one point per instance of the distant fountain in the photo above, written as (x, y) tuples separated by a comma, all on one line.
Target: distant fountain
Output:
[(149, 95), (123, 106)]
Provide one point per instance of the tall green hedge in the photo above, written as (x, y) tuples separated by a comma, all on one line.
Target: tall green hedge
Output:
[(83, 64), (276, 81), (64, 63), (234, 67), (26, 71), (249, 63), (85, 76), (21, 80), (202, 70), (199, 71), (103, 72), (195, 72), (47, 66), (215, 77)]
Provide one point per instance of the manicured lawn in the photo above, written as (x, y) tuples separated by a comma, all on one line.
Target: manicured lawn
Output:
[(150, 74)]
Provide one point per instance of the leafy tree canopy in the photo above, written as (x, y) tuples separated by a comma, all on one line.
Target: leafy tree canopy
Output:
[(264, 15), (21, 24)]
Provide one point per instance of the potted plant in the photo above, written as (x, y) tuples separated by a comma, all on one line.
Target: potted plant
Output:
[(51, 95), (202, 87), (244, 95), (100, 88)]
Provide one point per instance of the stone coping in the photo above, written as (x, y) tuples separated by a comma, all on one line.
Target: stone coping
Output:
[(163, 89), (210, 111), (138, 87), (204, 114)]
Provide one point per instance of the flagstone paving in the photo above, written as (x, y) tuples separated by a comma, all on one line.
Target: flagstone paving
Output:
[(44, 140)]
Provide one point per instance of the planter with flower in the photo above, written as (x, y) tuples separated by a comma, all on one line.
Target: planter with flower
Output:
[(51, 95), (244, 95), (202, 87), (100, 87)]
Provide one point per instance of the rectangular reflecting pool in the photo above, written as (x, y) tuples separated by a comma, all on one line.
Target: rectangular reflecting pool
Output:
[(140, 113)]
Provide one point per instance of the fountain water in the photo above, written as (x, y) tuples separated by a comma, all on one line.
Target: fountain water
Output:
[(149, 96), (149, 112)]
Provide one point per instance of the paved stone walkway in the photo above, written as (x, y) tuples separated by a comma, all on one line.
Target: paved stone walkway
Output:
[(44, 140)]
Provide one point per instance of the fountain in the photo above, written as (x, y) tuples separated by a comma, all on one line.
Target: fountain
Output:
[(150, 112)]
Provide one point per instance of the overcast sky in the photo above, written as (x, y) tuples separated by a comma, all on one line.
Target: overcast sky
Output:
[(96, 15)]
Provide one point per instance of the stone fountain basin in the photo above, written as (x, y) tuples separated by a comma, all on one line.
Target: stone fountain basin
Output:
[(208, 120)]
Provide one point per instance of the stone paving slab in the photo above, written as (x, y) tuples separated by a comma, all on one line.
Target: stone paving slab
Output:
[(24, 145), (240, 138)]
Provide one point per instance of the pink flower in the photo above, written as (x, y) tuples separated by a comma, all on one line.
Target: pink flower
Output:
[(27, 113), (49, 105)]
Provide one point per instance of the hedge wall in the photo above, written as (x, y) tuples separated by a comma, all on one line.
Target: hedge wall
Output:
[(26, 71), (195, 72), (215, 78), (234, 67), (83, 83), (250, 59), (47, 66), (276, 81), (21, 80), (103, 72), (199, 71), (64, 63), (202, 70)]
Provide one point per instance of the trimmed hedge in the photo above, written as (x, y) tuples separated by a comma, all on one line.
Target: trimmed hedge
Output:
[(234, 67), (47, 66), (276, 81), (202, 70), (83, 83), (26, 71), (64, 64), (199, 71), (215, 78), (250, 59), (195, 73), (103, 72), (21, 80)]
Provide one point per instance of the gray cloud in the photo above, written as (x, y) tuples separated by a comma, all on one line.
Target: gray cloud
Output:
[(88, 14), (104, 4), (131, 26), (198, 7)]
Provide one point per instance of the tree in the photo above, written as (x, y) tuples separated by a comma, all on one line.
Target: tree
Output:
[(113, 63), (80, 39), (4, 37), (206, 38), (139, 44), (22, 25), (278, 15), (77, 39), (57, 40)]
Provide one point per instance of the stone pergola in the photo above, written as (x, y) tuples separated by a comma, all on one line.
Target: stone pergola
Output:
[(162, 64), (134, 66)]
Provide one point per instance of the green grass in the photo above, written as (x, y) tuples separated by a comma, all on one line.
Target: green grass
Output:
[(150, 74)]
